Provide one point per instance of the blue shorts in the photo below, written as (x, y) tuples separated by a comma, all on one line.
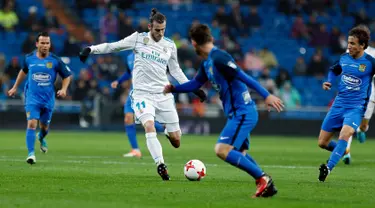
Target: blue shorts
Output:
[(237, 131), (36, 112), (337, 117), (128, 106)]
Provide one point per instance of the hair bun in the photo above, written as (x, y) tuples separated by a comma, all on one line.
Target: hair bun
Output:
[(153, 11)]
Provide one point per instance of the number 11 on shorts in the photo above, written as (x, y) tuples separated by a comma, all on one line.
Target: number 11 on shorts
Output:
[(141, 105)]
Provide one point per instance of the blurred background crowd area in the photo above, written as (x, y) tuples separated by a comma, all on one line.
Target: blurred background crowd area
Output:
[(288, 45)]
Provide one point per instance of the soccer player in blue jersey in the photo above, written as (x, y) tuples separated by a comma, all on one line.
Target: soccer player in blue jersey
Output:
[(232, 84), (40, 68), (356, 69), (129, 112)]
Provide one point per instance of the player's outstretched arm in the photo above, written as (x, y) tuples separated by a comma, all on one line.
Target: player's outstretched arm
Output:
[(20, 77), (270, 100), (126, 76), (174, 67), (189, 86), (127, 43), (177, 73)]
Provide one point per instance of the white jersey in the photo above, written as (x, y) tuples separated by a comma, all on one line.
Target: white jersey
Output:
[(370, 51), (151, 60)]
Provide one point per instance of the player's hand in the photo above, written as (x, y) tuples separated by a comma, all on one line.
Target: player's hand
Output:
[(275, 102), (114, 84), (61, 93), (201, 94), (168, 89), (327, 86), (12, 92), (84, 54)]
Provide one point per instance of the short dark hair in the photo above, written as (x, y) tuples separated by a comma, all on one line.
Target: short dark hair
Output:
[(44, 34), (200, 33), (157, 16), (362, 33)]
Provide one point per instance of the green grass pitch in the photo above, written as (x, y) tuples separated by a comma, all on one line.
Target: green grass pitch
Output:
[(86, 169)]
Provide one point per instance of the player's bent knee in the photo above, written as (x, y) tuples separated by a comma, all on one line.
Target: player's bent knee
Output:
[(43, 126), (324, 138), (222, 150), (149, 126), (32, 124), (322, 145), (129, 119), (346, 132), (148, 123)]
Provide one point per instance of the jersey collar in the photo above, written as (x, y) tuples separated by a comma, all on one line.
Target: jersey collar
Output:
[(212, 50)]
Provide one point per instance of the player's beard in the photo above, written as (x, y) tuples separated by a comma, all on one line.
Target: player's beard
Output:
[(43, 52), (156, 37)]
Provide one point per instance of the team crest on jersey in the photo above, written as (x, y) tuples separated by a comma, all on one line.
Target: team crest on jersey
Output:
[(146, 40), (210, 70), (49, 65), (165, 50), (362, 67)]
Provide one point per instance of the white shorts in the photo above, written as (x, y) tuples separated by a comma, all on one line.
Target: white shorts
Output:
[(154, 105)]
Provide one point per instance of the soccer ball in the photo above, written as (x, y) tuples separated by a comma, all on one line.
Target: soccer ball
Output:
[(195, 170)]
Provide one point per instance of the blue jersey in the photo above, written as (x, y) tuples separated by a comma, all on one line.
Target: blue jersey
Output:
[(228, 80), (354, 87), (41, 76), (128, 73)]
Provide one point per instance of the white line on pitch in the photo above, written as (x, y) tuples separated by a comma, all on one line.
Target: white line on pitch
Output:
[(5, 159)]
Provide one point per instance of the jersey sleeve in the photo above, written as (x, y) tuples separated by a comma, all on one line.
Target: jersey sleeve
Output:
[(63, 69), (194, 84), (371, 104), (127, 43), (126, 76), (201, 75), (25, 68), (174, 67), (225, 64), (372, 96)]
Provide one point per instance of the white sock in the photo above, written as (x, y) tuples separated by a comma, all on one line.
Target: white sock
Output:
[(349, 143), (154, 147)]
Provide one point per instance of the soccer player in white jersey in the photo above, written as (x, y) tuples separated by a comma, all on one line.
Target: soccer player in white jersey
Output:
[(153, 54)]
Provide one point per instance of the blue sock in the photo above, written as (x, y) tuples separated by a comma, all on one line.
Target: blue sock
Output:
[(250, 158), (235, 158), (159, 127), (337, 153), (331, 146), (132, 135), (43, 133), (30, 140)]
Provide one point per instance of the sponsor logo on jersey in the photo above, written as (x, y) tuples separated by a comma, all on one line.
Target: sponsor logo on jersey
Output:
[(49, 65), (351, 80), (41, 77), (155, 56), (362, 67)]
